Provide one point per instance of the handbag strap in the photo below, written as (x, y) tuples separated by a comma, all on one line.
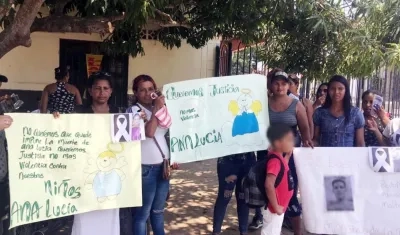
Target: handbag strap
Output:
[(159, 148)]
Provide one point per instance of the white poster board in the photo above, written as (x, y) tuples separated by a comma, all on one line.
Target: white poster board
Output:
[(342, 194), (218, 116)]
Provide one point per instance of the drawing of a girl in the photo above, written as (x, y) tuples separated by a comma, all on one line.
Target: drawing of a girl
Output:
[(245, 110), (107, 181), (136, 130)]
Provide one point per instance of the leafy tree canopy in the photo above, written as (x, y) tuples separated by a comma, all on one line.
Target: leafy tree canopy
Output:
[(322, 37), (315, 37), (121, 21)]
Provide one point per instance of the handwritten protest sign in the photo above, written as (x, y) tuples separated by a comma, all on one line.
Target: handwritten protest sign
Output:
[(342, 193), (66, 166), (215, 117)]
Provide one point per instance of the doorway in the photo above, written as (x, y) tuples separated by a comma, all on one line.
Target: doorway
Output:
[(73, 54)]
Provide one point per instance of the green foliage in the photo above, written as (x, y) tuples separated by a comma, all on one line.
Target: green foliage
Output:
[(321, 38), (194, 21), (315, 37)]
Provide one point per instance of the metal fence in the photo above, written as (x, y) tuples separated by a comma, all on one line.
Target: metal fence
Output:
[(241, 59)]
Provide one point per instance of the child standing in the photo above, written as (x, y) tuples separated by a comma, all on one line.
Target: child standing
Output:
[(282, 141)]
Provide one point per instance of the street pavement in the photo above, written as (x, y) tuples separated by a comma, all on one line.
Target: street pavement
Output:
[(190, 207)]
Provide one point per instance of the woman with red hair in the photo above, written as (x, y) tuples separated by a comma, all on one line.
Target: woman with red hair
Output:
[(155, 149)]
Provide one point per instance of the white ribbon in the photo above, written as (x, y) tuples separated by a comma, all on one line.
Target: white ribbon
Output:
[(122, 129), (381, 156)]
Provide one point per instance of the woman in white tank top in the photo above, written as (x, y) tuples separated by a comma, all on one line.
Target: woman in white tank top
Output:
[(154, 187)]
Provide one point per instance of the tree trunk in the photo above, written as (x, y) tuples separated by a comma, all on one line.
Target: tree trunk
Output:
[(18, 33)]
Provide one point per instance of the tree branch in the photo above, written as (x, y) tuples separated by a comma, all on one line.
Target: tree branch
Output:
[(18, 34), (168, 21), (70, 24)]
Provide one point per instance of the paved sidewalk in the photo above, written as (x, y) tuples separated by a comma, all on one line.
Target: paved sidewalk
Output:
[(190, 208), (193, 193)]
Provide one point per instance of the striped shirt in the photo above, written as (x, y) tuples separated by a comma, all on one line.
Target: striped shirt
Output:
[(287, 117)]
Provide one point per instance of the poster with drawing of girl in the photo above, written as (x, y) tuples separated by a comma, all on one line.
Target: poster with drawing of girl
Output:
[(137, 128)]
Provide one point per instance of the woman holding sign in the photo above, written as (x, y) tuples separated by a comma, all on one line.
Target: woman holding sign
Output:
[(338, 123), (284, 109), (102, 222), (155, 155), (5, 122)]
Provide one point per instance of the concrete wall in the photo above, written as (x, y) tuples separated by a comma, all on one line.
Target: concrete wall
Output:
[(33, 68)]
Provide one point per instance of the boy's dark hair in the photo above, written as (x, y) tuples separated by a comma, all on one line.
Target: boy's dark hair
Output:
[(277, 131)]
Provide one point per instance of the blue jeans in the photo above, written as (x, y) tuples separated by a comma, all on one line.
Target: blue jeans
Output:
[(231, 170), (154, 196)]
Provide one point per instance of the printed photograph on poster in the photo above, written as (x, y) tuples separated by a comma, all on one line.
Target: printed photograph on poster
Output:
[(137, 128), (121, 127), (396, 163), (339, 193), (394, 154)]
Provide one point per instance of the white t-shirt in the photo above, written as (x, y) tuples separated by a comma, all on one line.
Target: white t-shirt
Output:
[(102, 222), (392, 132), (293, 96), (150, 152)]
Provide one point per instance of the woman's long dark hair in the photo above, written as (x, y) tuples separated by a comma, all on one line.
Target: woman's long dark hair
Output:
[(319, 89), (346, 99)]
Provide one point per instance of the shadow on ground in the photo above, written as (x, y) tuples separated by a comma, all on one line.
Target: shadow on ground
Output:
[(191, 204), (193, 194)]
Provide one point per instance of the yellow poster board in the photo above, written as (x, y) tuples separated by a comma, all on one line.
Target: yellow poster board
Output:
[(66, 166), (93, 63)]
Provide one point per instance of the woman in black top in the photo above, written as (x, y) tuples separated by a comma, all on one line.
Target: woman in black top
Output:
[(322, 91), (60, 96), (100, 90)]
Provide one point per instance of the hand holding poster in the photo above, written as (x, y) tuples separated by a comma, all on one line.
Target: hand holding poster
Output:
[(344, 192), (215, 117), (65, 166)]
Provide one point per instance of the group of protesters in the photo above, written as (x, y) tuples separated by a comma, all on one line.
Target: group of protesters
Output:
[(329, 121)]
